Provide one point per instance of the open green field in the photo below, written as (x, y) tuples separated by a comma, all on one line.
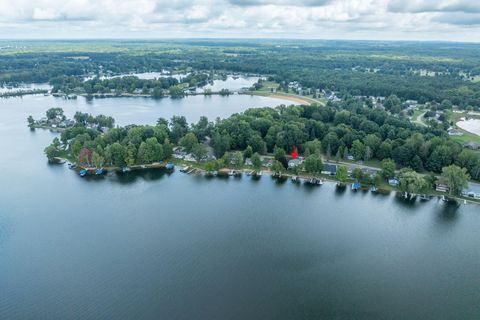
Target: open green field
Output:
[(266, 90)]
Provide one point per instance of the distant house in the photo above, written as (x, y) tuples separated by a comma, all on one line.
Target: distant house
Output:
[(440, 187), (393, 182), (471, 145), (330, 169), (248, 162), (267, 162), (294, 163), (454, 132)]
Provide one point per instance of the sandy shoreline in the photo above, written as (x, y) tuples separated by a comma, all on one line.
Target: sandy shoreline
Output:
[(299, 100)]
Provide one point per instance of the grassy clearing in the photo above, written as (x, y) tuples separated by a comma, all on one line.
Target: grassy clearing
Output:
[(269, 89)]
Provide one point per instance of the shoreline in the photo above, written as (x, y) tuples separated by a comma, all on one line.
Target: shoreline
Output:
[(298, 99), (283, 176)]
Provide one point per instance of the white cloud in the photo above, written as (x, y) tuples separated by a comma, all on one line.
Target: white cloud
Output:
[(351, 19)]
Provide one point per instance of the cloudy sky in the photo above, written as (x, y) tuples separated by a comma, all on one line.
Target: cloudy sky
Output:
[(457, 20)]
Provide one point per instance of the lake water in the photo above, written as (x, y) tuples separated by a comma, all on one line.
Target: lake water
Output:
[(158, 246), (231, 83), (471, 125)]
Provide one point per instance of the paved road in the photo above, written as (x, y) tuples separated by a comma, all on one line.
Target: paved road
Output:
[(420, 122)]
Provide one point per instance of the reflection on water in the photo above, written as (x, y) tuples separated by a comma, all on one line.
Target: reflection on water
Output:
[(448, 212), (340, 190)]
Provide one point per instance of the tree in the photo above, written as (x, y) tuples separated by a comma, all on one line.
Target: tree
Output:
[(357, 174), (277, 167), (388, 168), (256, 161), (237, 158), (368, 153), (312, 147), (115, 154), (313, 164), (392, 103), (149, 151), (221, 143), (342, 174), (176, 91), (53, 113), (97, 159), (199, 152), (279, 154), (411, 182), (358, 149), (30, 121), (248, 152), (455, 178), (188, 141), (81, 117), (179, 128), (52, 151)]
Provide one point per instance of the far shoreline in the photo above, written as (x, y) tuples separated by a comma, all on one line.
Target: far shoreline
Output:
[(300, 100)]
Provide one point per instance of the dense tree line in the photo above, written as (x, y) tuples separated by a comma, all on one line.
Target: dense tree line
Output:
[(338, 130), (357, 68)]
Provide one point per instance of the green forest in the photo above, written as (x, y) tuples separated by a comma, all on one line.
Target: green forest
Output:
[(421, 71)]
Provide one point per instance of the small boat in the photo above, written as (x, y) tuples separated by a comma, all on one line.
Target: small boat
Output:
[(258, 174), (98, 171), (373, 189), (61, 161), (424, 197), (71, 165), (184, 169), (170, 166), (314, 181), (231, 173), (82, 173), (355, 186), (126, 169), (295, 179), (444, 199)]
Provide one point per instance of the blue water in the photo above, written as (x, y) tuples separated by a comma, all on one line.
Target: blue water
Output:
[(160, 246)]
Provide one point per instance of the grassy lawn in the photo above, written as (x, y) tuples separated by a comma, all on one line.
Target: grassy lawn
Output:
[(268, 86), (467, 136), (266, 90)]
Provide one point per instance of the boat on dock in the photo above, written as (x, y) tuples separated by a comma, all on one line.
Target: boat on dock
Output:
[(83, 172), (295, 179), (234, 173), (424, 197), (355, 186), (98, 171), (211, 173), (314, 181)]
